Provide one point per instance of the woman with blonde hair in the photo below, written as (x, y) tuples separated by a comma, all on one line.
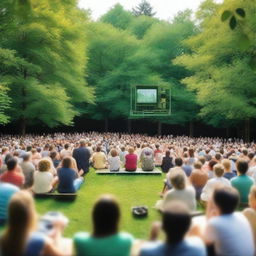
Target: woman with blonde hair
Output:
[(44, 180), (20, 237)]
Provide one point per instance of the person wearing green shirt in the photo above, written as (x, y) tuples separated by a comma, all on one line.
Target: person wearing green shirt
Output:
[(105, 240), (242, 182)]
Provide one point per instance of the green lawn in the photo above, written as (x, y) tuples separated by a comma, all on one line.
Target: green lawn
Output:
[(131, 190)]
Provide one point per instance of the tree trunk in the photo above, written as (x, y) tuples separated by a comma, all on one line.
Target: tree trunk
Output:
[(247, 130), (129, 126), (159, 128), (228, 132), (23, 126), (106, 124), (191, 129)]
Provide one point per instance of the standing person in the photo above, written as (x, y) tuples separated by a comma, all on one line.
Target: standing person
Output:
[(21, 238), (106, 240), (242, 182), (176, 221), (82, 157), (131, 161)]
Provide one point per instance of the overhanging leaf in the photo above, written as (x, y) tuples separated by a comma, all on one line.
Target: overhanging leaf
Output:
[(233, 22), (226, 15), (241, 12)]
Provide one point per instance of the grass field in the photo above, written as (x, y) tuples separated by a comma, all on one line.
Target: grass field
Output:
[(131, 190)]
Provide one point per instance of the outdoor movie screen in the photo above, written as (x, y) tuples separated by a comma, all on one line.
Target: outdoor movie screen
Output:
[(146, 95)]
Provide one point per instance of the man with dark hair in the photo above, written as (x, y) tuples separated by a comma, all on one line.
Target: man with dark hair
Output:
[(12, 175), (28, 170), (242, 182), (82, 156), (228, 231), (176, 221)]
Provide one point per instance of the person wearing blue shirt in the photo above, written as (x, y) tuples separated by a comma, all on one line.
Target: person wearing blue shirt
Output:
[(6, 192), (69, 180), (176, 222)]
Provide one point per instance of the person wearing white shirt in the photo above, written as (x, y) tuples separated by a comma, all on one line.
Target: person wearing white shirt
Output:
[(114, 161), (216, 181)]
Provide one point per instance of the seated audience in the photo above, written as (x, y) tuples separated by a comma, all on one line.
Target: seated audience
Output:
[(105, 240), (28, 170), (66, 151), (176, 221), (158, 156), (21, 238), (55, 158), (210, 168), (99, 159), (122, 154), (229, 232), (44, 180), (250, 213), (131, 161), (198, 178), (242, 182), (211, 184), (166, 162), (12, 175), (69, 180), (228, 174), (180, 191), (114, 161), (147, 159), (6, 191)]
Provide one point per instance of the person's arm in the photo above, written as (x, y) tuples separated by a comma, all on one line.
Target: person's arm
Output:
[(50, 249)]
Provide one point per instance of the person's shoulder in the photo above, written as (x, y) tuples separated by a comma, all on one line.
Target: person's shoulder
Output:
[(81, 237), (9, 187), (125, 236), (151, 249), (196, 246), (249, 212)]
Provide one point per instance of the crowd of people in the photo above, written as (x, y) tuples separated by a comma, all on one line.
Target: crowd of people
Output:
[(214, 174)]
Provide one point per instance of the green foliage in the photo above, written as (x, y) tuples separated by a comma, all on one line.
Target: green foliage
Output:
[(143, 8), (118, 17), (221, 78), (45, 69)]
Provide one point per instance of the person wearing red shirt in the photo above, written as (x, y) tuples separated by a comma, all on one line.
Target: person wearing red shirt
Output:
[(131, 161), (11, 175)]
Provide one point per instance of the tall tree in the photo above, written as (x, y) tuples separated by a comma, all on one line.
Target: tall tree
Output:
[(144, 8), (49, 41), (222, 77)]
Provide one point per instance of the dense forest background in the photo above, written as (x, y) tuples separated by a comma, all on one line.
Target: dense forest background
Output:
[(62, 71)]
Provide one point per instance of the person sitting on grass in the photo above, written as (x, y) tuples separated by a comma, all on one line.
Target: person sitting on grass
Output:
[(12, 175), (166, 162), (21, 238), (105, 240), (250, 213), (44, 180), (69, 180), (229, 232), (198, 178), (181, 191), (211, 184), (131, 161), (114, 161), (242, 182), (176, 222), (99, 159), (228, 174), (28, 170)]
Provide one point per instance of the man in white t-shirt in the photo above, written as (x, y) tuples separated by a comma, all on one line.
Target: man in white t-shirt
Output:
[(229, 232), (216, 181)]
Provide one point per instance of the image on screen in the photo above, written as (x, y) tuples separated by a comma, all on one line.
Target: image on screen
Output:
[(146, 95)]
